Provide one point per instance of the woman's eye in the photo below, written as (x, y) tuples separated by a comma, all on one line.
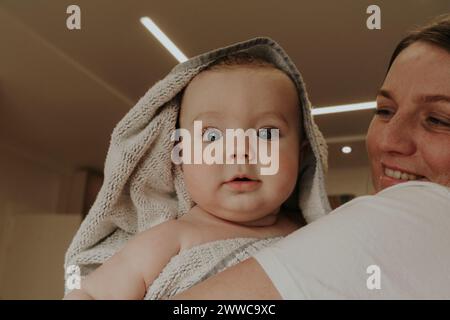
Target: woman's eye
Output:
[(383, 112), (267, 133), (211, 134), (438, 122)]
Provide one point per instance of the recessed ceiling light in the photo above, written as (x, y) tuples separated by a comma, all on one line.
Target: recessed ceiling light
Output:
[(346, 149), (344, 108), (165, 41)]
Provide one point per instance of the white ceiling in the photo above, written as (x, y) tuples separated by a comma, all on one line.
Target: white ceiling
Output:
[(62, 91)]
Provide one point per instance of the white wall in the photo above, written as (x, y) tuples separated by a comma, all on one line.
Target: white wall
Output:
[(32, 248), (26, 183), (355, 181), (40, 210)]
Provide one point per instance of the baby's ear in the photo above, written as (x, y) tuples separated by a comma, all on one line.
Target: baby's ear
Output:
[(304, 146)]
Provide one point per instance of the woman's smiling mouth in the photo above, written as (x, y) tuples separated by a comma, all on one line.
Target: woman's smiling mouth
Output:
[(400, 175), (393, 175)]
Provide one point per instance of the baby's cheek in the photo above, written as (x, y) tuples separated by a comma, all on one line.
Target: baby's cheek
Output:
[(288, 161), (288, 171), (192, 177), (286, 177), (202, 176)]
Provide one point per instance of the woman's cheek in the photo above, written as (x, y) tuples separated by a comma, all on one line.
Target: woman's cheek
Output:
[(436, 159), (373, 152)]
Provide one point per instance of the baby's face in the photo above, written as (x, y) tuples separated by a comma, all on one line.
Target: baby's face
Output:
[(242, 97)]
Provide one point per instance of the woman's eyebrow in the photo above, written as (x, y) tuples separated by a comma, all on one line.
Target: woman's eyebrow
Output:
[(433, 98), (427, 98), (385, 93)]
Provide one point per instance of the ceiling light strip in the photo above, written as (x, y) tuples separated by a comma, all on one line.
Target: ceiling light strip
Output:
[(344, 108), (163, 39)]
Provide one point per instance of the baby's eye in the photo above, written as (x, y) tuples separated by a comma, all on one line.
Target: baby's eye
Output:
[(268, 133), (211, 134)]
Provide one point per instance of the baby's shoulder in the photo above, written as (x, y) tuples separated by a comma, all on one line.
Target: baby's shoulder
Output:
[(198, 228), (188, 228), (157, 243), (170, 232), (165, 226)]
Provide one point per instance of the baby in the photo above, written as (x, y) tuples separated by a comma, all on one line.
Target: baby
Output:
[(231, 200)]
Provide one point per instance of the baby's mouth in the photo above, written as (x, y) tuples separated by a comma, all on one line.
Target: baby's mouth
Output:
[(241, 177), (243, 183)]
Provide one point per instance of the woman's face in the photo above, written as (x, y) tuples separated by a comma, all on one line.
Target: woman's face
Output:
[(409, 136)]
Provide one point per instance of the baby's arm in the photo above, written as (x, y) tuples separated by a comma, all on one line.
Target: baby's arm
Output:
[(128, 273)]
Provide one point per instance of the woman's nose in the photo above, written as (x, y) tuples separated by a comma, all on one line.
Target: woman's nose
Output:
[(398, 137)]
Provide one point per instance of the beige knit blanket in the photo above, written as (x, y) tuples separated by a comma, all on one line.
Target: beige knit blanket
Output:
[(142, 187), (198, 263)]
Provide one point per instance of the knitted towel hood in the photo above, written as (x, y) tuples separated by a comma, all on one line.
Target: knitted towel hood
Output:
[(142, 187)]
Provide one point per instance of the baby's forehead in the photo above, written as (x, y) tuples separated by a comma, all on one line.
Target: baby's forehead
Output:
[(240, 90)]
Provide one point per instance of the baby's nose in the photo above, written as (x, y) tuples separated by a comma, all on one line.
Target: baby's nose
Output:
[(242, 149), (236, 156), (243, 156)]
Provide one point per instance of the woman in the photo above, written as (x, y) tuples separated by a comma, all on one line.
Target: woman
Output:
[(391, 245)]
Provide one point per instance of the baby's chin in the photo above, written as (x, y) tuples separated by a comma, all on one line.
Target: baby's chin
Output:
[(264, 221), (252, 216)]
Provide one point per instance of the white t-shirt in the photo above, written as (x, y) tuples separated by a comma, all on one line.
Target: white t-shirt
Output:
[(403, 232)]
